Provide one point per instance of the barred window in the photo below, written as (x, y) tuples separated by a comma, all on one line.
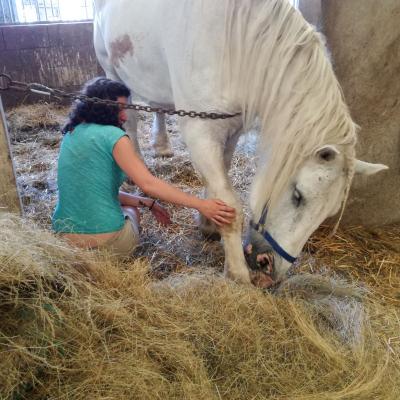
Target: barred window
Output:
[(26, 11)]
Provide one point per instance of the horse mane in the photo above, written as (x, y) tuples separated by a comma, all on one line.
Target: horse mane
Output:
[(277, 64)]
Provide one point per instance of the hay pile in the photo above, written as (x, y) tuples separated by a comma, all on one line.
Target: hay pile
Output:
[(77, 326), (35, 138), (368, 255), (26, 120)]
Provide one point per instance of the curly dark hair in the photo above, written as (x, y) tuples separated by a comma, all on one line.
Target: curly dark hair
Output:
[(85, 111)]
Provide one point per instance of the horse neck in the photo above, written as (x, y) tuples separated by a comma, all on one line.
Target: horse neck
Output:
[(282, 75), (261, 39)]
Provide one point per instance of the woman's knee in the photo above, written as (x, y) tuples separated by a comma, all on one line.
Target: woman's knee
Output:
[(132, 213)]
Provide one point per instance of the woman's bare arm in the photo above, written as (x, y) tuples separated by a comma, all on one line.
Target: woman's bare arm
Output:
[(126, 157)]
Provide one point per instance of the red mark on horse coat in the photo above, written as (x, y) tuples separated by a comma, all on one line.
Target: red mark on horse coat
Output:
[(119, 48)]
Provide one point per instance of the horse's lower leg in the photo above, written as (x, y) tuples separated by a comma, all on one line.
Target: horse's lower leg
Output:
[(207, 154), (208, 228)]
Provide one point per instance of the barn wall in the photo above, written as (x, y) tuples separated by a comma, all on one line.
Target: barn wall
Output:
[(364, 39), (57, 55), (312, 11)]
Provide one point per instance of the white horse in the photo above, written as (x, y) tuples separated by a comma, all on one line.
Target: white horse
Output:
[(259, 58)]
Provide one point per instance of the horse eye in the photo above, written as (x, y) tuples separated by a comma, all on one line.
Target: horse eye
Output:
[(297, 197)]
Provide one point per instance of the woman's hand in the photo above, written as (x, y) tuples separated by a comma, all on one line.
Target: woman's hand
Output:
[(161, 214), (217, 211)]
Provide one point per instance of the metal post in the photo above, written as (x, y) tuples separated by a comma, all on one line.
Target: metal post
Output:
[(10, 201), (38, 18), (12, 11), (3, 16), (86, 9)]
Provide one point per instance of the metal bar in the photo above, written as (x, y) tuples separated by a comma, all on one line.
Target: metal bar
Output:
[(86, 9), (45, 10), (10, 200), (23, 12), (52, 9), (56, 7), (3, 12), (11, 8), (37, 10)]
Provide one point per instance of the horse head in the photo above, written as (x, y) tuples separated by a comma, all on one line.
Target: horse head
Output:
[(316, 191)]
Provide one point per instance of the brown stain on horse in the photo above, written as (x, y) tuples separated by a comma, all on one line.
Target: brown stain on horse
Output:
[(120, 47)]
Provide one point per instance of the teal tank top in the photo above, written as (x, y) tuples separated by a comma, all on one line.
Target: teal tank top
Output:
[(88, 181)]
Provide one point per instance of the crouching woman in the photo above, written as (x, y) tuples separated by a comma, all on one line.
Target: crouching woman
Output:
[(96, 156)]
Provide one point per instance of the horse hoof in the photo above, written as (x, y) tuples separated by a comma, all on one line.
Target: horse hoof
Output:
[(241, 278), (163, 153)]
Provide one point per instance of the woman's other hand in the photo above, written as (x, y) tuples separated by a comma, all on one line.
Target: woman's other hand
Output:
[(161, 214), (217, 211)]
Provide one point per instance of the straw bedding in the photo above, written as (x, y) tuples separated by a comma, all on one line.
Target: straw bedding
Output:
[(77, 325)]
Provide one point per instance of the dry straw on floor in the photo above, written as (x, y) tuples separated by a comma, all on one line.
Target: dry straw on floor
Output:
[(28, 118), (35, 138), (81, 326), (370, 256)]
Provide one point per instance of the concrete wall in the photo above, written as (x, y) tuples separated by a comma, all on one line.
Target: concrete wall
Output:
[(312, 11), (57, 55), (364, 39)]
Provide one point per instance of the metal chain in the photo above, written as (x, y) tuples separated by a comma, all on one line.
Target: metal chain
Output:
[(6, 83)]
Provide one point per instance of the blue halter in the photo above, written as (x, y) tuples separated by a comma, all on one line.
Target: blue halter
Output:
[(259, 227)]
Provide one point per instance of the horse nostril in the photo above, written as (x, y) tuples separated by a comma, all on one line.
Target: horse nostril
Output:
[(265, 261), (262, 260)]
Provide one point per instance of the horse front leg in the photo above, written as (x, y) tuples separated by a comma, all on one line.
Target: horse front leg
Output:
[(206, 143), (207, 227)]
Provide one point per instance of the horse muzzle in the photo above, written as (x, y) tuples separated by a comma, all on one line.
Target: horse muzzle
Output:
[(260, 259), (265, 257)]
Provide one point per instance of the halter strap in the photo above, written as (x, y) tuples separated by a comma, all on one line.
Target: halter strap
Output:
[(263, 215), (259, 227)]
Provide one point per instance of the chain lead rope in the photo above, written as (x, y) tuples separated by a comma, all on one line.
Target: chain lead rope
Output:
[(6, 83)]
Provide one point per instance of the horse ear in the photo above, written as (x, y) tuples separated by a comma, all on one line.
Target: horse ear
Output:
[(327, 152), (366, 168)]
